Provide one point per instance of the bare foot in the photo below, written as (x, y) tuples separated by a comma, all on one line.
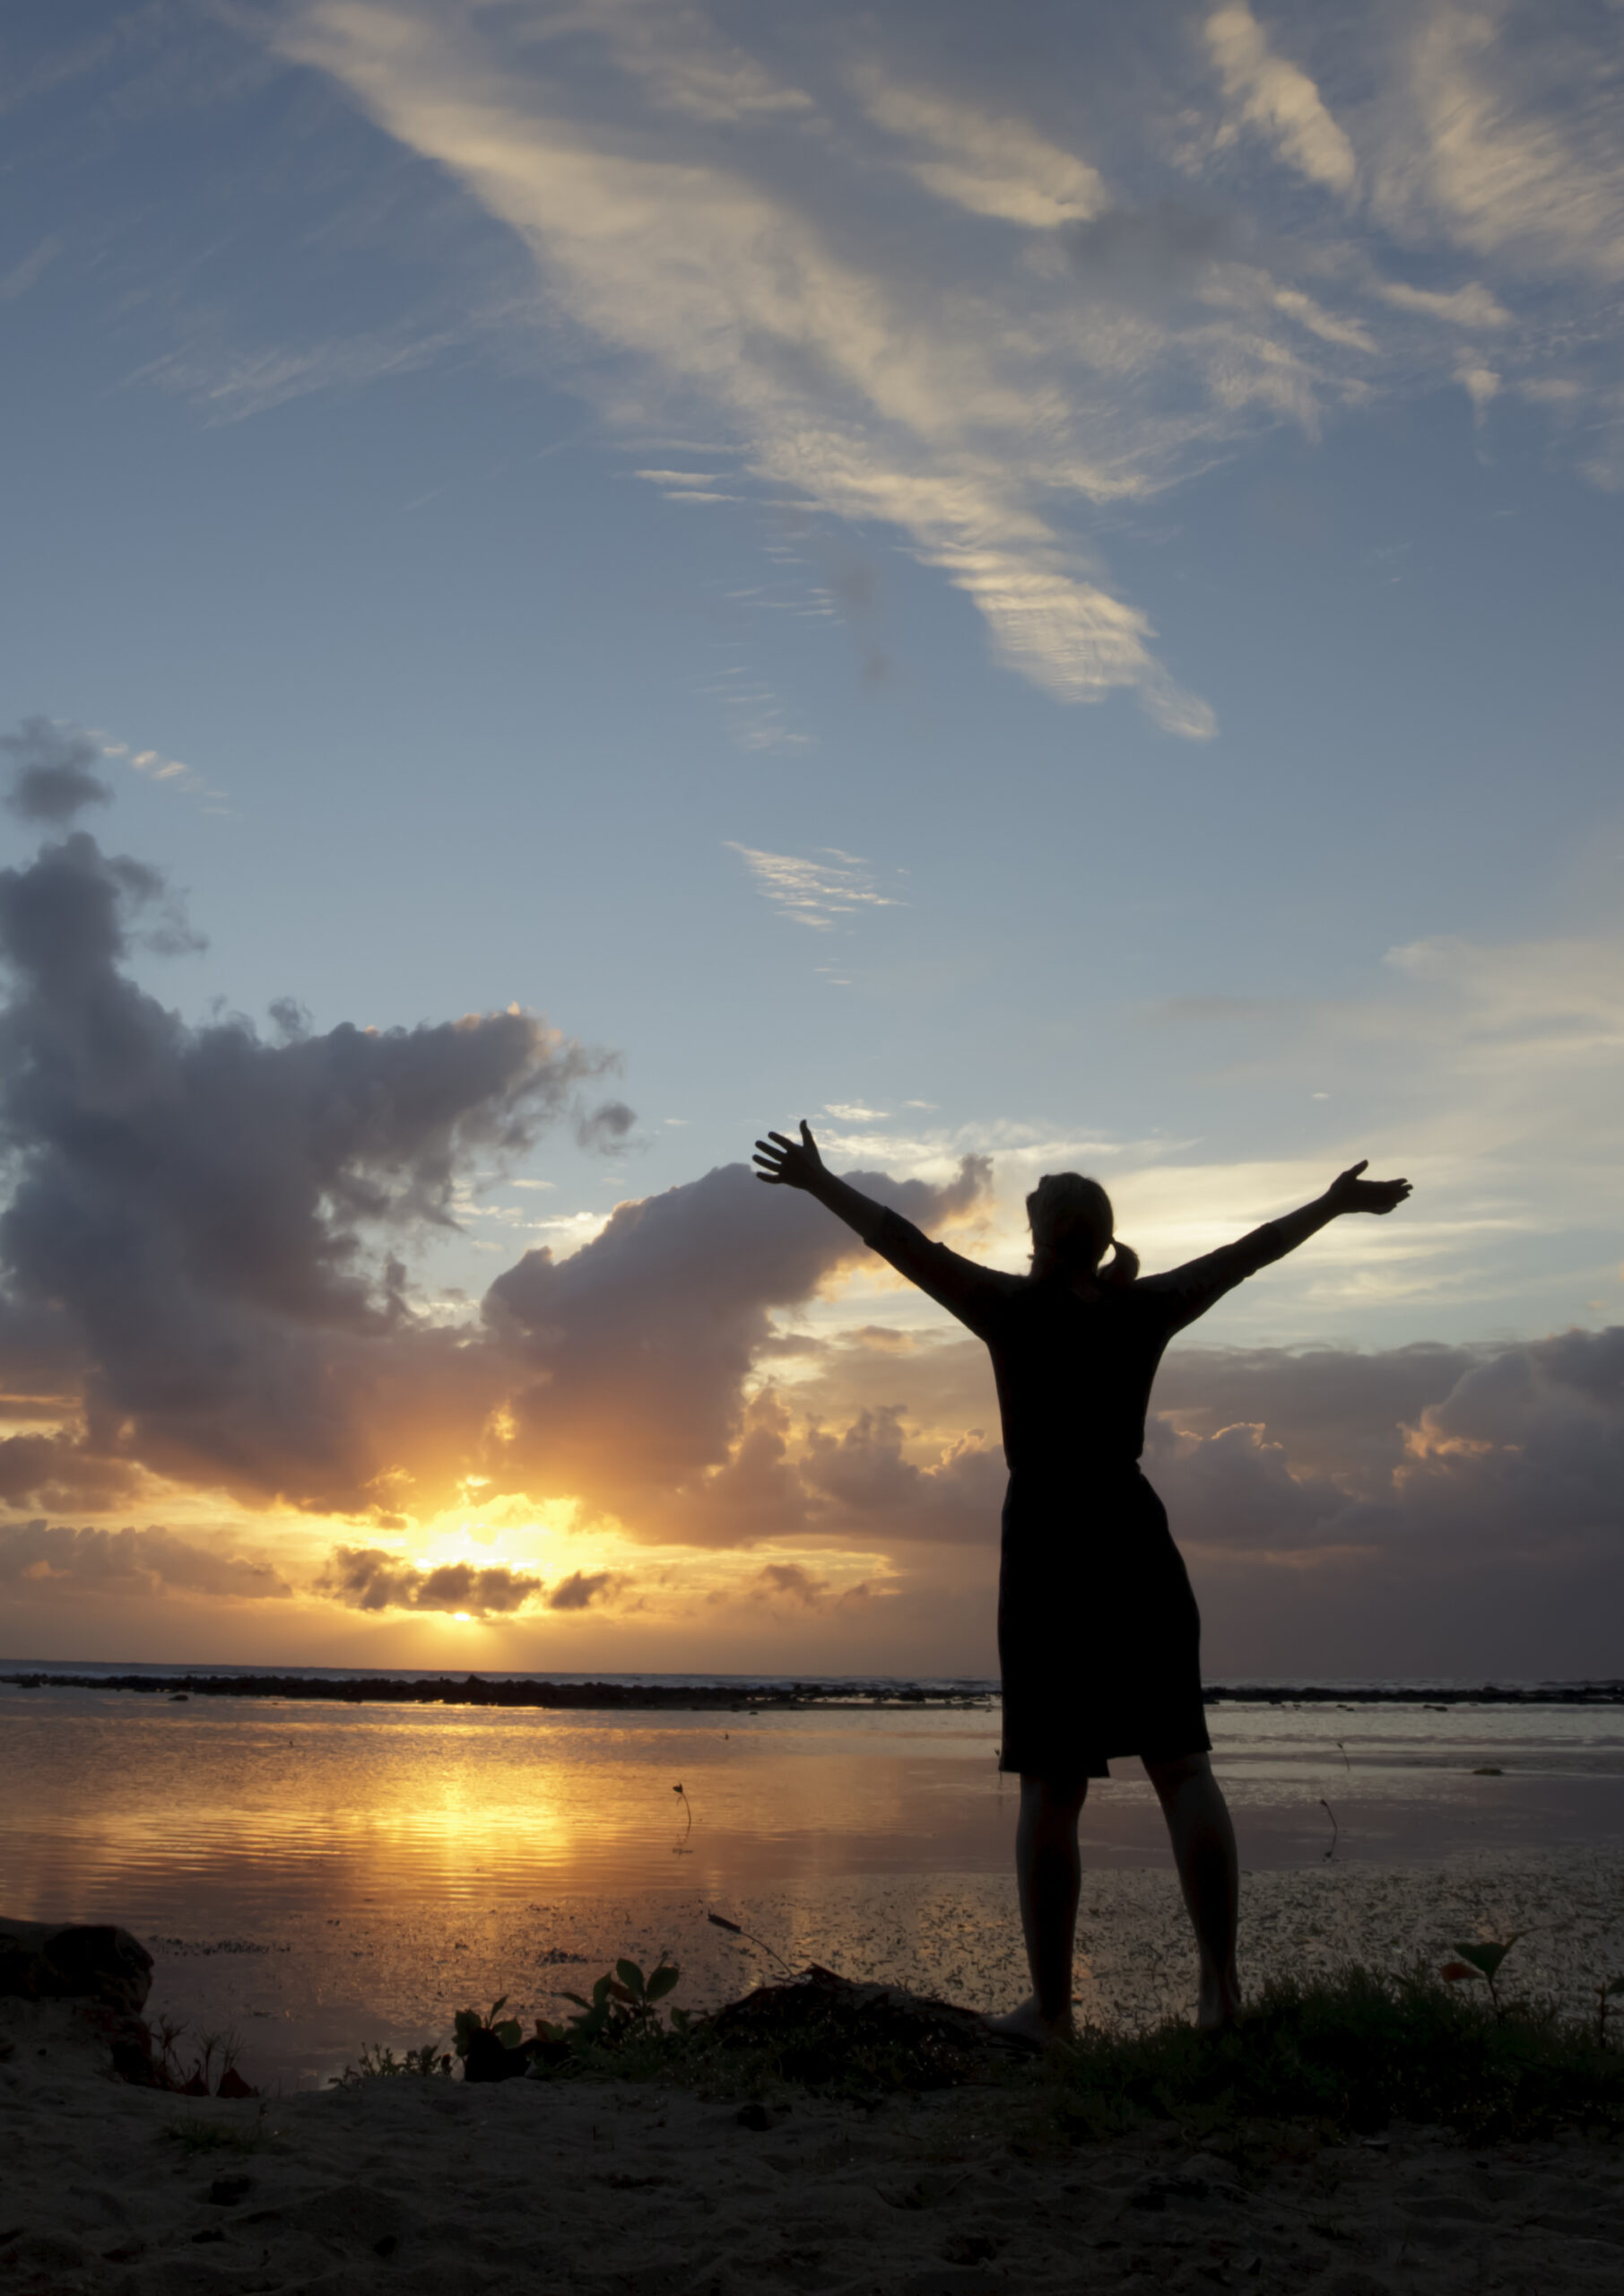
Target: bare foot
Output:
[(1218, 2007), (1028, 2028)]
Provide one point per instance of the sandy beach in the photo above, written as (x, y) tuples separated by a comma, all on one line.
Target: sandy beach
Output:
[(620, 2189), (616, 2190)]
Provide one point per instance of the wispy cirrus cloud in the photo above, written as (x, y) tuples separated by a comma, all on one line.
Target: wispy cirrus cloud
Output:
[(665, 225), (231, 383), (157, 765), (1503, 135), (980, 300), (29, 269), (1276, 99), (815, 889), (978, 160), (757, 720)]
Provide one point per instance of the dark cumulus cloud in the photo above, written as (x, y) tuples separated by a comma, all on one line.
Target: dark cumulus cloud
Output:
[(631, 1356), (607, 1126), (52, 772), (39, 1560), (582, 1588), (368, 1578), (203, 1277), (1444, 1510), (1451, 1510), (55, 1470), (203, 1223)]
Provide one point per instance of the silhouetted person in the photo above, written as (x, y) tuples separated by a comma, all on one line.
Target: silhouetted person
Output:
[(1098, 1635)]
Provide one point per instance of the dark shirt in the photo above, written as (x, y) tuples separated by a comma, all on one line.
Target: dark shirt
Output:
[(1073, 1375)]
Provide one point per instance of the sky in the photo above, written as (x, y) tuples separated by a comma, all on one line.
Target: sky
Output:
[(1039, 586)]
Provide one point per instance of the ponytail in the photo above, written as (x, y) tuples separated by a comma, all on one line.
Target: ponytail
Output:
[(1124, 1267)]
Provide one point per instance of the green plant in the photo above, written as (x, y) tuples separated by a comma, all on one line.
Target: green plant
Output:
[(165, 2032), (623, 2004), (199, 2081), (1481, 1960), (618, 2029), (1309, 2062), (193, 2134), (423, 2064), (1346, 2054)]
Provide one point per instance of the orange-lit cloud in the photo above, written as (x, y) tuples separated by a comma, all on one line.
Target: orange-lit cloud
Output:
[(668, 1435), (370, 1578), (45, 1560)]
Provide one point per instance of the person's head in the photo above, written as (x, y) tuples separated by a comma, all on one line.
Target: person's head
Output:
[(1072, 1228)]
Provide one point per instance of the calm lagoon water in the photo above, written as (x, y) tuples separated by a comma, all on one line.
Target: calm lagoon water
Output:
[(296, 1862)]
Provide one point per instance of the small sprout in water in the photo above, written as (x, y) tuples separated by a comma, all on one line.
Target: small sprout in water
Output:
[(680, 1849), (1480, 1959), (737, 1929), (1335, 1828)]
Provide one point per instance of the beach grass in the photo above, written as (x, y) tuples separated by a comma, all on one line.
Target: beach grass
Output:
[(192, 2134), (1337, 2057), (1350, 2053)]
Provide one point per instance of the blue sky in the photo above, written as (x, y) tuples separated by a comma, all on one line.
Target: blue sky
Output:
[(1041, 586)]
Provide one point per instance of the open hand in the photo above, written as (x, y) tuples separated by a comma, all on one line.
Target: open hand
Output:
[(783, 1164), (1347, 1192)]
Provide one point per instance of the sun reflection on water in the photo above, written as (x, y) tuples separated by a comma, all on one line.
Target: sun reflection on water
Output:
[(136, 1808)]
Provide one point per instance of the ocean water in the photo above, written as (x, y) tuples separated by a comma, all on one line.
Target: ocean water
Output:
[(309, 1870)]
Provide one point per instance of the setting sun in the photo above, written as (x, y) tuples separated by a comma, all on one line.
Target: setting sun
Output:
[(756, 765)]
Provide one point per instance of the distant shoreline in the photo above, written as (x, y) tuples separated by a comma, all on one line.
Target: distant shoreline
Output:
[(744, 1697)]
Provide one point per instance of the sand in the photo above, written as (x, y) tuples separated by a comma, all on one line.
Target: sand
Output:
[(611, 2189), (614, 2190)]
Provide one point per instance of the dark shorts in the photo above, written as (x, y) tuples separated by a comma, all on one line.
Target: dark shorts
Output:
[(1098, 1634)]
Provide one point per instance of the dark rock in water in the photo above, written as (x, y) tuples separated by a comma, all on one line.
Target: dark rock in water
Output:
[(97, 1966), (488, 2060), (44, 1960)]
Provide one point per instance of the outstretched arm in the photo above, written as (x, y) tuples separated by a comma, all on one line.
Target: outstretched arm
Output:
[(783, 1163), (1347, 1192), (975, 1294), (1189, 1291)]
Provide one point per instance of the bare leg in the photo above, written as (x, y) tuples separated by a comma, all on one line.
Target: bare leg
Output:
[(1048, 1874), (1203, 1849)]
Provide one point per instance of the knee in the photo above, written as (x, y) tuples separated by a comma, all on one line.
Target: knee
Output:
[(1176, 1770), (1053, 1802)]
